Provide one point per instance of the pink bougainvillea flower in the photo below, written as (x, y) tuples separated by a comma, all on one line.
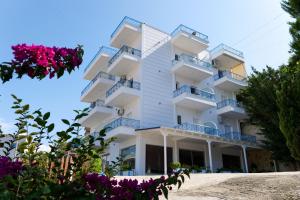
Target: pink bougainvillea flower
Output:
[(38, 61)]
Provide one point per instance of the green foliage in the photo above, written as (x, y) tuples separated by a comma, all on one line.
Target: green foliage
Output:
[(288, 100), (259, 100), (293, 8), (175, 165)]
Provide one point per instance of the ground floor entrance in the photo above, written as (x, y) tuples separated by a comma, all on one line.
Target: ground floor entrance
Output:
[(191, 159), (231, 162), (155, 159)]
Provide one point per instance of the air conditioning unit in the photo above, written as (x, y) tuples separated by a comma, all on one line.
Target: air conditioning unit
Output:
[(121, 112), (220, 120)]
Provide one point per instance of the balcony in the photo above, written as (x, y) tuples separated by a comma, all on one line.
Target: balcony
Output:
[(225, 57), (231, 108), (126, 32), (124, 61), (122, 127), (191, 68), (98, 112), (189, 40), (193, 98), (122, 93), (97, 87), (99, 62), (229, 81), (212, 132)]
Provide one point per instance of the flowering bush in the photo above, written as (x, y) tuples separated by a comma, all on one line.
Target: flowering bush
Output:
[(8, 167), (36, 175), (38, 61)]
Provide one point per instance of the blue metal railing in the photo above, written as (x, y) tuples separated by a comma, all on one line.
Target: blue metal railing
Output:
[(228, 102), (99, 75), (103, 49), (216, 132), (225, 47), (125, 49), (190, 90), (229, 75), (248, 138), (192, 60), (122, 121), (123, 83), (192, 32), (126, 20)]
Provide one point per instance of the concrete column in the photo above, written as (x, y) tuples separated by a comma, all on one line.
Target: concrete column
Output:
[(176, 159), (245, 158), (138, 156), (210, 155), (165, 154)]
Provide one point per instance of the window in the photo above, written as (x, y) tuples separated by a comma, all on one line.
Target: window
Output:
[(128, 156), (179, 119)]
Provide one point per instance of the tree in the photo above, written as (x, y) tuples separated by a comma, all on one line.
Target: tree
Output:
[(288, 96), (288, 101), (293, 8), (259, 100)]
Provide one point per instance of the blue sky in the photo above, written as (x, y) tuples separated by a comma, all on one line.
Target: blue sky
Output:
[(257, 27)]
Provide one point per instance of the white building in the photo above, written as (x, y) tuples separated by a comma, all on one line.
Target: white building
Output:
[(167, 97)]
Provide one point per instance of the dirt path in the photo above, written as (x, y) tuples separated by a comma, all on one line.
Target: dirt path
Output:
[(264, 186)]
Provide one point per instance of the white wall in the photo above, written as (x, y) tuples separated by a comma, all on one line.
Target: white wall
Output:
[(156, 105)]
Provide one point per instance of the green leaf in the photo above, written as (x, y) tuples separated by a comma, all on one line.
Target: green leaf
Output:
[(165, 191), (46, 116), (50, 127), (65, 121)]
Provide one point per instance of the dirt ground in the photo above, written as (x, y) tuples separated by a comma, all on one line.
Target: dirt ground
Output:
[(264, 186), (259, 186)]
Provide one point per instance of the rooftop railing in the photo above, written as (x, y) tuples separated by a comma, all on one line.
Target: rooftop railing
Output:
[(229, 102), (122, 121), (229, 75), (216, 132), (99, 75), (192, 90), (127, 50), (192, 60), (126, 20), (225, 47), (192, 32), (123, 83), (103, 49)]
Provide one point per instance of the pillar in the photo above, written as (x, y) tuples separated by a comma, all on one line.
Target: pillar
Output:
[(245, 158), (210, 155), (165, 154)]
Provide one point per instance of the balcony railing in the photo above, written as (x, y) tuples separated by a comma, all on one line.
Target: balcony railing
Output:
[(103, 49), (121, 121), (99, 103), (216, 132), (229, 102), (126, 20), (185, 29), (229, 75), (123, 83), (227, 48), (248, 138), (191, 90), (192, 60), (99, 75), (125, 49)]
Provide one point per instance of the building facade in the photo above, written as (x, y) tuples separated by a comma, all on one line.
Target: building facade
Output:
[(168, 97)]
